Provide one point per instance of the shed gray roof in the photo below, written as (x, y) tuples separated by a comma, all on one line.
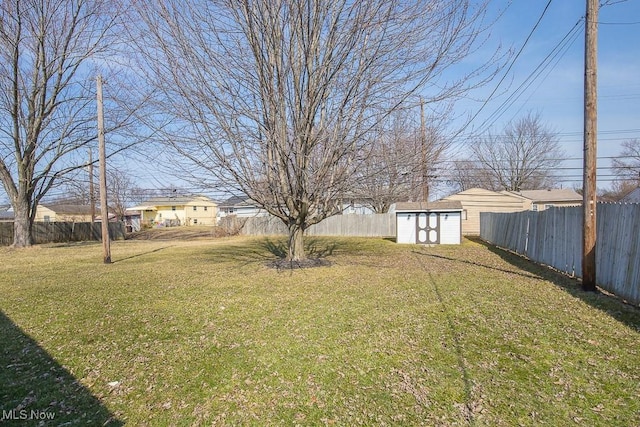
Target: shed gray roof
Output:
[(442, 205)]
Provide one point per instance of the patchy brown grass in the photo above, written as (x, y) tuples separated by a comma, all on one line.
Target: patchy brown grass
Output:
[(176, 233), (206, 333)]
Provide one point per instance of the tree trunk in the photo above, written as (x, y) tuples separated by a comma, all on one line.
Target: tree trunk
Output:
[(296, 243), (22, 225)]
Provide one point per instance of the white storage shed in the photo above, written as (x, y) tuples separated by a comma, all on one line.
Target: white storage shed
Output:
[(429, 223)]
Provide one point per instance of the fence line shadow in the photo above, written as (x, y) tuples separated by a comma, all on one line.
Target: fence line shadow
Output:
[(479, 264), (36, 390), (606, 302)]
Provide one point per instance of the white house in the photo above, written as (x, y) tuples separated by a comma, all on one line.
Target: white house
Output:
[(241, 207), (429, 223)]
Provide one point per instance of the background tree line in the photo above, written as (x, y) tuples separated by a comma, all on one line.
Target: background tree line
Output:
[(296, 104)]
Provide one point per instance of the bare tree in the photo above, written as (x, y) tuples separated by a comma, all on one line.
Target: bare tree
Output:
[(627, 165), (524, 157), (47, 108), (402, 160), (617, 190), (275, 98), (467, 174)]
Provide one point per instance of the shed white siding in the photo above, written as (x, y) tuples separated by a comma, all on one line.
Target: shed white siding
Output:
[(450, 228), (405, 227)]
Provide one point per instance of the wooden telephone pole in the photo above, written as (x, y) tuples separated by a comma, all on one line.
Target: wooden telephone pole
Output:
[(104, 210), (92, 197), (590, 147)]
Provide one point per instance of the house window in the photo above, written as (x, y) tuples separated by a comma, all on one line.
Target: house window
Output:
[(195, 220), (205, 208), (195, 208), (160, 215), (548, 206), (534, 207), (173, 208), (47, 218)]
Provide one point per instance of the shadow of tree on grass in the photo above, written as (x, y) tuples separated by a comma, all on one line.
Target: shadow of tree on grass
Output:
[(610, 304), (36, 390), (314, 248)]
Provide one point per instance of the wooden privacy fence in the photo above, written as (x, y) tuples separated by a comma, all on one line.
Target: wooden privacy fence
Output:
[(554, 237), (374, 225), (55, 232)]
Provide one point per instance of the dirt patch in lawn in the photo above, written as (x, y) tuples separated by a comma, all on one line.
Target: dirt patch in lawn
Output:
[(175, 233)]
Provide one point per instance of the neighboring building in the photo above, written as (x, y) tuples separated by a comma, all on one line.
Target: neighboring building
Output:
[(241, 207), (178, 210), (476, 200), (63, 213), (6, 214), (355, 206), (429, 223), (51, 212), (632, 196), (132, 220), (539, 200)]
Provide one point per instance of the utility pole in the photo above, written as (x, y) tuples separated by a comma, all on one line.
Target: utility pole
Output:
[(92, 197), (423, 142), (590, 147), (104, 210)]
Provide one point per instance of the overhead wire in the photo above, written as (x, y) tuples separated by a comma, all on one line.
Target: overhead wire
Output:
[(513, 61)]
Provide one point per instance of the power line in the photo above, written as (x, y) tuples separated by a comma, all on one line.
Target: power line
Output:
[(556, 54), (495, 89)]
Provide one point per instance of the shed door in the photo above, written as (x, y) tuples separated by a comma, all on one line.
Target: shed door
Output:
[(428, 228)]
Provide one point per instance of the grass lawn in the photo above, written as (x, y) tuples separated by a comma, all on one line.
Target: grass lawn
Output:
[(205, 333)]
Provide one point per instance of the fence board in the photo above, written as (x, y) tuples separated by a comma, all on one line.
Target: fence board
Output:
[(374, 225), (554, 238), (60, 232)]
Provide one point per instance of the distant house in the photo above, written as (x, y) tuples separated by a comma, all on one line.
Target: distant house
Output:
[(429, 223), (51, 212), (6, 214), (355, 205), (477, 200), (178, 210), (632, 196), (539, 200), (241, 207)]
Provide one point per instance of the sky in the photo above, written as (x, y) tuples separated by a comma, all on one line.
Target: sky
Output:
[(547, 76)]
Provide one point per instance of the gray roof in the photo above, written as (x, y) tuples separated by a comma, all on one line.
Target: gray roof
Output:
[(170, 201), (551, 195), (234, 201), (165, 201), (442, 205), (69, 208), (6, 215), (632, 196)]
